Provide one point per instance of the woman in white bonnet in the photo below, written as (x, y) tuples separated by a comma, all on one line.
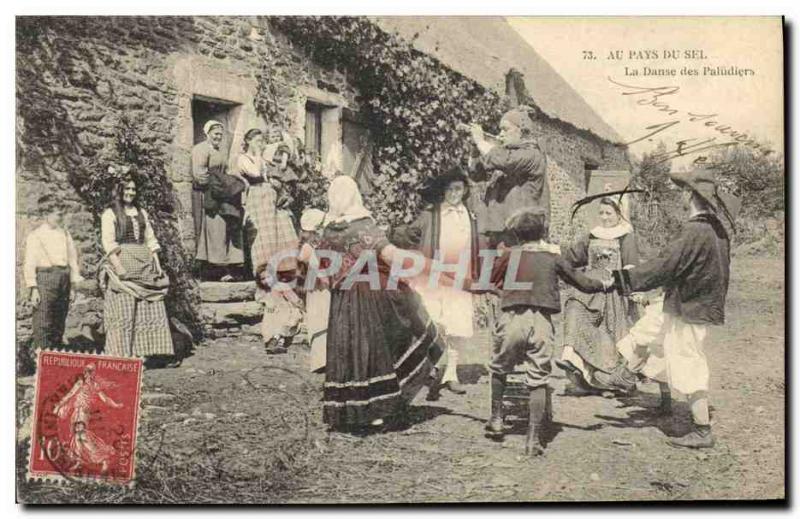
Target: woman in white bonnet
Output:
[(216, 246)]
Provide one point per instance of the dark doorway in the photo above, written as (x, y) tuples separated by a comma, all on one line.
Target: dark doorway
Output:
[(205, 109), (588, 169), (357, 151)]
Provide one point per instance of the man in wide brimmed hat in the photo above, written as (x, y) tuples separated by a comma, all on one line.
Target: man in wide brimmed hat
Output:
[(694, 271), (448, 229)]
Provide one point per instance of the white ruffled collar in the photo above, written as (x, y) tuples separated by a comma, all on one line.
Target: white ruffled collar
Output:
[(612, 233)]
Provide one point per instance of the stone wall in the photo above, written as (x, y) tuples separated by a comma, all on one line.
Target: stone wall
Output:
[(569, 152), (149, 69)]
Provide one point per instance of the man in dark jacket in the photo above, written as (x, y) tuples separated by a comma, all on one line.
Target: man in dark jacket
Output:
[(515, 171), (694, 271)]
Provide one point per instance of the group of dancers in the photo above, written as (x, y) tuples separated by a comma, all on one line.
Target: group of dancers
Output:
[(386, 339), (625, 319)]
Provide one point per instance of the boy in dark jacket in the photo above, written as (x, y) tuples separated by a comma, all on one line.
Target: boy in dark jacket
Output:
[(694, 271), (527, 275)]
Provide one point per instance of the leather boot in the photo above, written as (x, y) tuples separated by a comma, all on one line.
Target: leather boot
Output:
[(548, 408), (495, 423), (665, 405), (699, 438), (434, 385), (620, 378), (275, 346), (455, 387), (537, 403)]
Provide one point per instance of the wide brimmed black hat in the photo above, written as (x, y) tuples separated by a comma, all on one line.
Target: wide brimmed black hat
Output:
[(436, 186), (702, 181)]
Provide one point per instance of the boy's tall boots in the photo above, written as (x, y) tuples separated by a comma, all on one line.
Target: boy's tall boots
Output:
[(495, 424), (538, 407), (548, 413)]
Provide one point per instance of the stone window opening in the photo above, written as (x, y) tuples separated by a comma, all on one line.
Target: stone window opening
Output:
[(205, 109), (314, 127), (357, 150), (322, 129)]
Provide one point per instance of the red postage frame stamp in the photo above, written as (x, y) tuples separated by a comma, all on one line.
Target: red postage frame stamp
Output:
[(85, 420)]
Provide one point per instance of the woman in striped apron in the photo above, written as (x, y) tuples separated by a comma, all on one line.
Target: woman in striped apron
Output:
[(133, 283)]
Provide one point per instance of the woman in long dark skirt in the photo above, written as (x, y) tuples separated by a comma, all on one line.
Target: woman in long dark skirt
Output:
[(382, 345), (594, 323)]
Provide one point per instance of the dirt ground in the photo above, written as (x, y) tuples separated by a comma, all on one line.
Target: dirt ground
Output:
[(235, 425)]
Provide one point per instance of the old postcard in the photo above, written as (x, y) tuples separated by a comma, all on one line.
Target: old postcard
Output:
[(334, 260)]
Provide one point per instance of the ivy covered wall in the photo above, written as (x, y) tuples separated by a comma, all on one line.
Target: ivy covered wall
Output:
[(119, 90), (415, 106), (96, 91)]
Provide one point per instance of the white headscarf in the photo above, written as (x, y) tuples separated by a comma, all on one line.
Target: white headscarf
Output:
[(311, 219), (211, 123), (344, 201)]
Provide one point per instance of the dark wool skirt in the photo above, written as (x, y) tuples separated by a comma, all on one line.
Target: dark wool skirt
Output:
[(381, 348)]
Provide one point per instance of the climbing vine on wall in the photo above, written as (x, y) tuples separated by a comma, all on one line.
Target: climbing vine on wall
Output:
[(412, 104), (131, 157), (52, 143)]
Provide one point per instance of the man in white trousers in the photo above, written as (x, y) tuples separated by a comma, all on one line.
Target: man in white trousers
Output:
[(694, 271)]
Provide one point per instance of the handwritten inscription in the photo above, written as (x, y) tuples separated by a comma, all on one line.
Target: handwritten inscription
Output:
[(663, 99)]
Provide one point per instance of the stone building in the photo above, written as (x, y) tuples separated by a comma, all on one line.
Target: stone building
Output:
[(171, 74), (584, 153)]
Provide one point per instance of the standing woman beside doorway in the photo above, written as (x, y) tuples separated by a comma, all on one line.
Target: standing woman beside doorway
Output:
[(274, 233), (218, 243)]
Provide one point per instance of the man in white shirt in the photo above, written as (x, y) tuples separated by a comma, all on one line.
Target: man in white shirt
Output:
[(50, 270)]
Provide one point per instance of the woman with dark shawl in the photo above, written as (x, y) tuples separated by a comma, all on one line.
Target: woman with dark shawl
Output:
[(216, 202), (381, 343)]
